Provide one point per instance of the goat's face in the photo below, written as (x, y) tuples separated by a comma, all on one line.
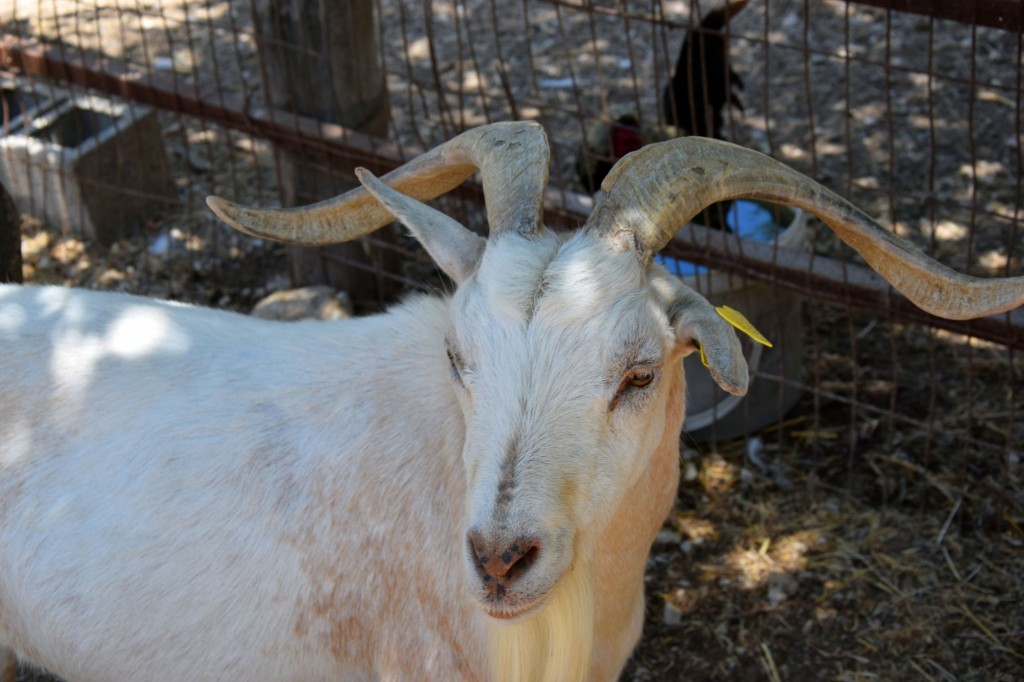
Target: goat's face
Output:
[(562, 352)]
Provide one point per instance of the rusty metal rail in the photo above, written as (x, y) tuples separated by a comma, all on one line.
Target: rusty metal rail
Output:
[(1004, 14)]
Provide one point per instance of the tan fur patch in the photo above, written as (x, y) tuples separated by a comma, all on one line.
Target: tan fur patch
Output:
[(621, 556)]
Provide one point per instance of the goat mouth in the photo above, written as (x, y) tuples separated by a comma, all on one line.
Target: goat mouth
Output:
[(510, 612), (510, 604)]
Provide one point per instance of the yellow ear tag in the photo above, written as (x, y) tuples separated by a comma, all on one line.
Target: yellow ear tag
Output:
[(736, 319), (703, 356)]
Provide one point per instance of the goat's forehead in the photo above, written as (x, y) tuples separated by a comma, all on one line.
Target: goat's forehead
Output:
[(551, 279)]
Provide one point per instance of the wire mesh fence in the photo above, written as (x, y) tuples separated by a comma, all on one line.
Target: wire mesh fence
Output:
[(871, 524)]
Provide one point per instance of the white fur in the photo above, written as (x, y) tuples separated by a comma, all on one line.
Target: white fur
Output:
[(193, 494)]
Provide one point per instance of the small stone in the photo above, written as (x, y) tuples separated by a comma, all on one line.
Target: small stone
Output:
[(690, 472), (781, 586), (306, 303), (667, 537), (673, 615)]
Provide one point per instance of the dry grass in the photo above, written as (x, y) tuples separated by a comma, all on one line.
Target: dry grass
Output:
[(811, 581)]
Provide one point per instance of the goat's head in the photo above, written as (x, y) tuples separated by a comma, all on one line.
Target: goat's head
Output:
[(563, 347)]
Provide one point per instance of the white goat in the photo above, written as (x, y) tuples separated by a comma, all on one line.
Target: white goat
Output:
[(461, 488)]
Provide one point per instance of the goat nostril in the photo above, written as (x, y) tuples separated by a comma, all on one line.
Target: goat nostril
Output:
[(500, 562), (526, 559)]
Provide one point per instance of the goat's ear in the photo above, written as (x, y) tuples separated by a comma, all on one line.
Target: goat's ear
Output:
[(455, 249), (699, 327)]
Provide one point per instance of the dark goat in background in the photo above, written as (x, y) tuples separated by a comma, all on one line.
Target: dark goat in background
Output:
[(693, 103), (703, 83)]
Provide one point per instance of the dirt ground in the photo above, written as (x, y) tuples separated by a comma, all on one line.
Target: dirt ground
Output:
[(877, 532)]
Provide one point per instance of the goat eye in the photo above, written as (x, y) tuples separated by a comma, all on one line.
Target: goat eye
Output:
[(633, 383), (640, 379)]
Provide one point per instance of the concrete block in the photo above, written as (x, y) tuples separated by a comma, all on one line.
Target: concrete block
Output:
[(87, 164), (19, 102)]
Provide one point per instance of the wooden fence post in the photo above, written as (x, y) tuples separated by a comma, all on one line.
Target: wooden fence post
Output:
[(10, 239), (320, 58)]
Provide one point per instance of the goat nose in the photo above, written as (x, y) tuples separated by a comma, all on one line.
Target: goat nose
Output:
[(502, 561)]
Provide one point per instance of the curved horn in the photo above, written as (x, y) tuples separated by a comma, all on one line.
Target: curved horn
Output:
[(652, 192), (512, 159)]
